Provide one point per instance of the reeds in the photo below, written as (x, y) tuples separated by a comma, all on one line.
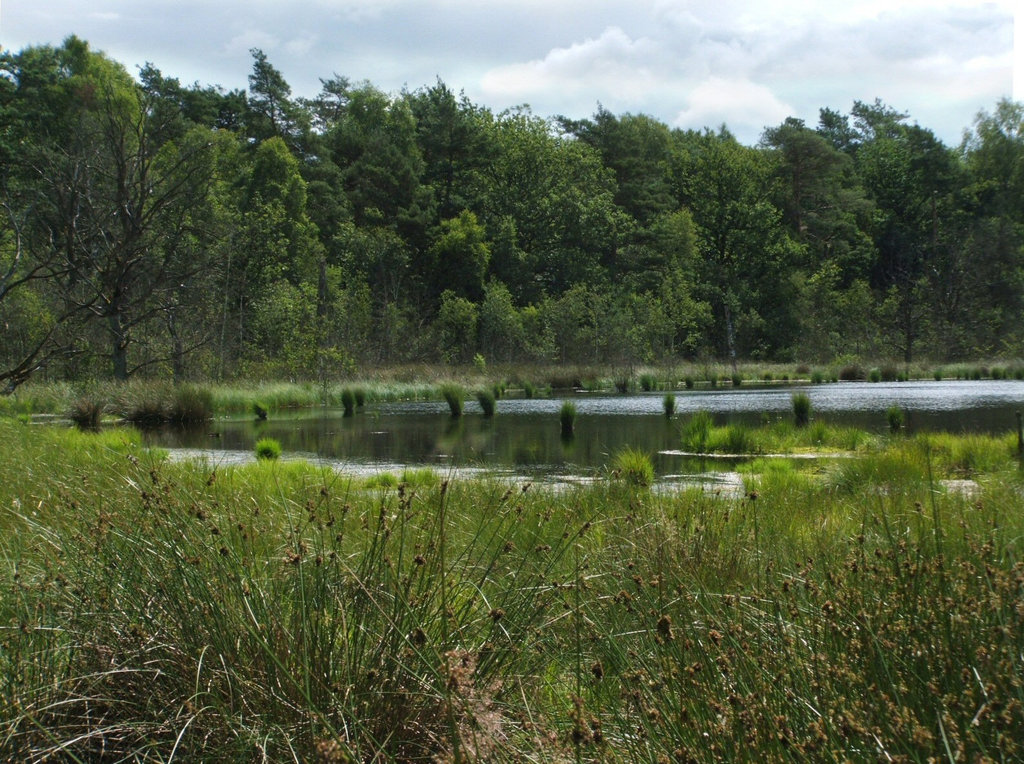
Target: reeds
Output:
[(453, 396), (487, 401), (801, 409), (268, 449), (567, 418), (196, 612)]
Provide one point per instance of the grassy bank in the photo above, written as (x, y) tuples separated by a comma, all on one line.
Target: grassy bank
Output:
[(155, 611), (140, 398)]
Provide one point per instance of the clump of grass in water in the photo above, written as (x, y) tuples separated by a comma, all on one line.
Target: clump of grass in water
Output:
[(669, 405), (634, 467), (697, 432), (896, 418), (86, 413), (453, 395), (348, 401), (192, 404), (801, 409), (567, 418), (529, 389), (268, 449), (487, 402)]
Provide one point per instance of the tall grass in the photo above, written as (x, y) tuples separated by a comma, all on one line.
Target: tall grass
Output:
[(196, 612), (453, 396), (567, 418)]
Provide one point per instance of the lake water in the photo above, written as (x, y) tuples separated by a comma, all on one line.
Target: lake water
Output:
[(524, 438)]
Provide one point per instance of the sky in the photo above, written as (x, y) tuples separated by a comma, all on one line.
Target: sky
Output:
[(745, 64)]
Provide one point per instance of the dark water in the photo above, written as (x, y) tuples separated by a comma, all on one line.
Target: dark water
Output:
[(524, 436)]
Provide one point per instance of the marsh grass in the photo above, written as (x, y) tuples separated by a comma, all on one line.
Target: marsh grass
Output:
[(567, 418), (487, 401), (668, 404), (634, 467), (801, 409), (193, 612), (268, 449), (453, 396)]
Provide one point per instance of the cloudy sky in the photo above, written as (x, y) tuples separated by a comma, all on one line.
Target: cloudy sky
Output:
[(745, 63)]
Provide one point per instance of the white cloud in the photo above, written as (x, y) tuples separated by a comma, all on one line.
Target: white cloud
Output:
[(613, 64), (744, 106)]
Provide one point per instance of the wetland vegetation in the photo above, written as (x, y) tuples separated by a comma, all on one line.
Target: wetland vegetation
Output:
[(863, 609)]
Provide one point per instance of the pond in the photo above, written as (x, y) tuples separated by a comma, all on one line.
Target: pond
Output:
[(524, 437)]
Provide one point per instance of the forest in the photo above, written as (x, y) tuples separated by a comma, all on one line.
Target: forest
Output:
[(153, 228)]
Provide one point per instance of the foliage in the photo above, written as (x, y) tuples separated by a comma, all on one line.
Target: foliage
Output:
[(399, 228)]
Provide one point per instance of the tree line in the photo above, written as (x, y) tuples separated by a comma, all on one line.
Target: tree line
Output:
[(151, 227)]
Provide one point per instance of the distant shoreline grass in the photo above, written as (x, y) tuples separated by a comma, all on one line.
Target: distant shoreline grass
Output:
[(425, 382), (156, 610)]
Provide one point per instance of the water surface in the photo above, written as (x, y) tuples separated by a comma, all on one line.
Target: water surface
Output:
[(524, 438)]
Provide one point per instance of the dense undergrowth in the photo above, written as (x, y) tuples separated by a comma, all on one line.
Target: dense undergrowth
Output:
[(153, 611)]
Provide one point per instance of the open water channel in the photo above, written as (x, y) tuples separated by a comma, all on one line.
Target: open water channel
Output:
[(523, 438)]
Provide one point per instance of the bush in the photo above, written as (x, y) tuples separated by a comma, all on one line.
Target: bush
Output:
[(875, 375), (688, 382), (622, 385), (567, 418), (648, 383), (889, 373), (737, 380), (529, 390), (669, 404), (801, 409), (487, 402), (817, 377), (268, 448)]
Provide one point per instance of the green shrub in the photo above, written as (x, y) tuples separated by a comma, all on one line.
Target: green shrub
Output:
[(529, 390), (634, 467), (191, 404), (875, 375), (622, 385), (268, 448), (648, 382), (669, 404), (889, 373), (487, 402), (737, 380), (688, 382), (360, 394), (937, 374), (817, 377), (801, 409)]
